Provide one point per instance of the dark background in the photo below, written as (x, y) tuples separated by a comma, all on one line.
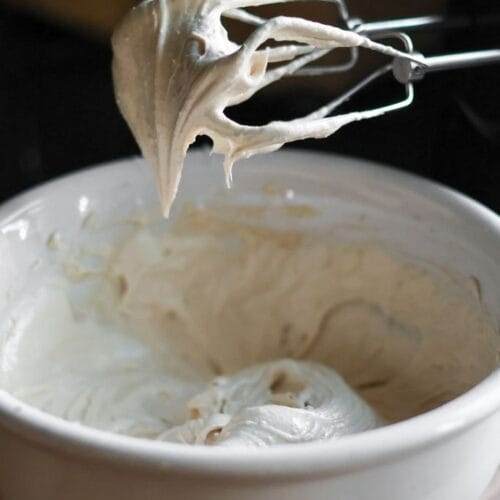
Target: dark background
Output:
[(57, 111)]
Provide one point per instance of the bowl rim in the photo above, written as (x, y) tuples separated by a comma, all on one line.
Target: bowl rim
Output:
[(355, 452)]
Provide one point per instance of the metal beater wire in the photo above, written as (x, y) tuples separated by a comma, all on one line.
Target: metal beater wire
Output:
[(254, 20)]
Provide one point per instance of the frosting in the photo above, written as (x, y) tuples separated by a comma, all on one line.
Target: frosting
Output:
[(228, 331), (176, 71), (276, 403)]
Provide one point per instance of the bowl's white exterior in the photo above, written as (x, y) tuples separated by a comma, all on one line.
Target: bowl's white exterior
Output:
[(448, 454)]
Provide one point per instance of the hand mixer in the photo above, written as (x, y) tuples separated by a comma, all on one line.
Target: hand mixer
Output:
[(406, 70)]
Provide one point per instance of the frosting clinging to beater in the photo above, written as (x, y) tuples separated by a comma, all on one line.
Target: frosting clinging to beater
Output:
[(176, 71)]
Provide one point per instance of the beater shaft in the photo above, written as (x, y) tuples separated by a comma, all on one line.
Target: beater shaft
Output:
[(407, 71), (423, 23)]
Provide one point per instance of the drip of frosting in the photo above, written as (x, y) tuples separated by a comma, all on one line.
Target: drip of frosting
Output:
[(176, 71)]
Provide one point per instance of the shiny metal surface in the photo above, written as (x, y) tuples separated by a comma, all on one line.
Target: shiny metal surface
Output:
[(406, 70)]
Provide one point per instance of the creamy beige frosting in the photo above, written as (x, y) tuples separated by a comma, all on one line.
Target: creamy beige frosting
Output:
[(227, 331), (279, 402), (176, 71)]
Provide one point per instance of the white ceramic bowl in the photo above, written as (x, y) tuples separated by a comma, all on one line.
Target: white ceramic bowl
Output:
[(450, 453)]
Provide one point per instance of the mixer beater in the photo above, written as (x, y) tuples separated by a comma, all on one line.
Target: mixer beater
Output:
[(176, 72), (406, 70)]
